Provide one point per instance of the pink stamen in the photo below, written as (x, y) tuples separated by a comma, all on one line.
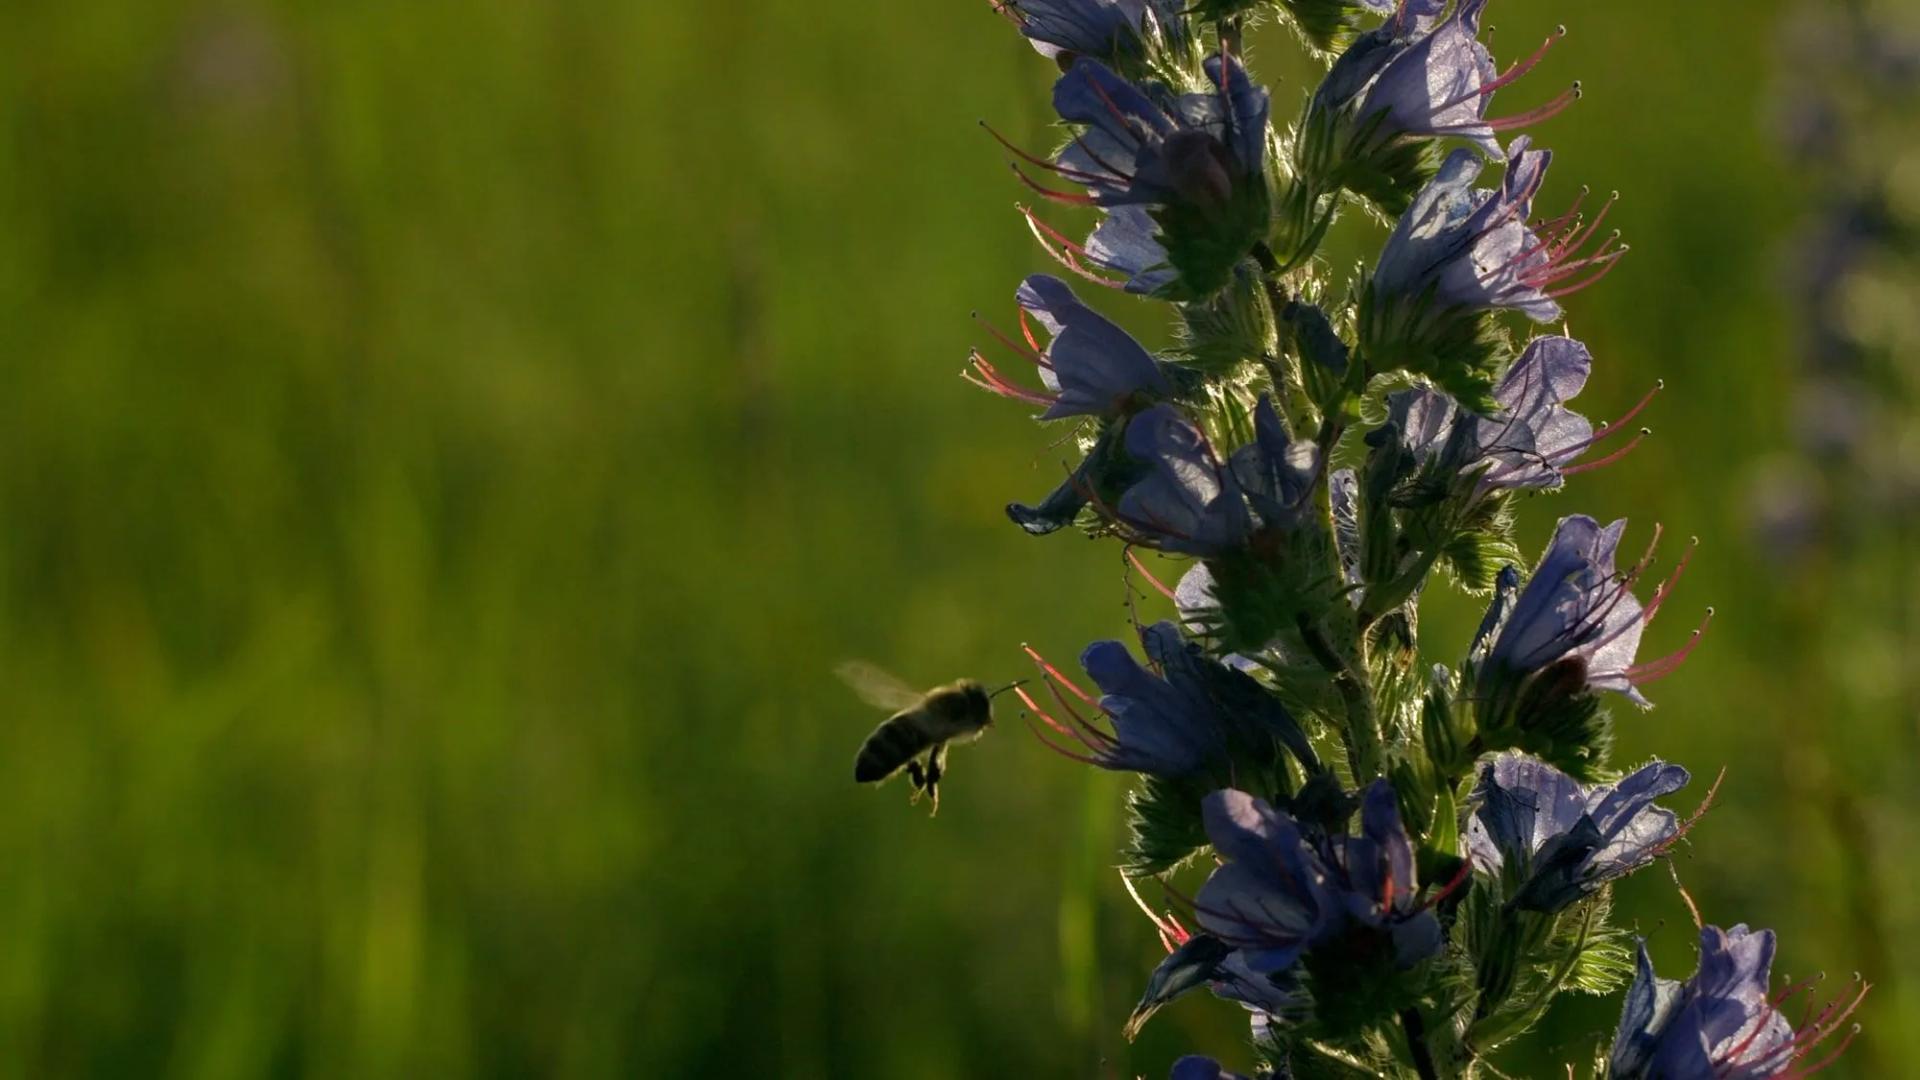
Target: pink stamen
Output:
[(1594, 280), (1148, 574), (1068, 253), (1057, 677), (1507, 78), (1171, 932), (1538, 114), (1799, 1074), (1520, 68), (1589, 466), (1558, 267), (1095, 740), (1026, 331), (1609, 428), (1061, 750), (992, 381), (1065, 198), (1560, 223), (1654, 670), (1032, 355), (1076, 175), (1575, 243), (1666, 587)]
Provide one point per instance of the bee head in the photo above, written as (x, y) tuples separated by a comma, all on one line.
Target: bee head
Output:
[(978, 700)]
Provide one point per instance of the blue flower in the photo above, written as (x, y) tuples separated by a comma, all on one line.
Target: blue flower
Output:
[(1555, 840), (1277, 896), (1532, 441), (1420, 78), (1115, 31), (1282, 892), (1579, 611), (1194, 960), (1190, 502), (1724, 1021), (1163, 724), (1276, 472), (1375, 873), (1090, 366), (1124, 242), (1273, 897), (1468, 249), (1182, 174), (1194, 503), (1142, 148), (1189, 715)]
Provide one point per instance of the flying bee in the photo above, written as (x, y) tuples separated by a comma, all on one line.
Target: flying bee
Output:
[(922, 723)]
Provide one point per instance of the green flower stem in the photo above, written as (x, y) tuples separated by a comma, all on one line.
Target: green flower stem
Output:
[(1362, 731), (1388, 596)]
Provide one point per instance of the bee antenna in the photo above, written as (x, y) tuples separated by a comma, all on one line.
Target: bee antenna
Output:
[(996, 693)]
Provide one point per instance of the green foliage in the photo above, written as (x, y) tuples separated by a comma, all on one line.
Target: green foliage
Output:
[(1233, 326), (1524, 958), (1482, 546), (1206, 238), (1463, 352), (1323, 25), (1163, 825), (1550, 714)]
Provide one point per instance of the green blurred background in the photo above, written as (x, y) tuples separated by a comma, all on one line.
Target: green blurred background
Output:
[(444, 448)]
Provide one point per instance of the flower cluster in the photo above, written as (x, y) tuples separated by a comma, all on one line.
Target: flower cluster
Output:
[(1403, 863)]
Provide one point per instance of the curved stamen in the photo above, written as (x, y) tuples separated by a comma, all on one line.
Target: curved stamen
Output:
[(1032, 355), (1575, 243), (1666, 587), (986, 377), (1067, 253), (1158, 586), (1065, 198), (1076, 175), (1558, 266), (1070, 755), (1459, 878), (1589, 466), (1539, 113), (1026, 331), (1057, 677), (1594, 280), (1641, 674), (1521, 67)]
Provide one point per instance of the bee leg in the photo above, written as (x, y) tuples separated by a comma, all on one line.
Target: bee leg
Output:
[(936, 768), (918, 778)]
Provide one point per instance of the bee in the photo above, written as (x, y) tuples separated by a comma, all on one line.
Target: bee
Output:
[(961, 711)]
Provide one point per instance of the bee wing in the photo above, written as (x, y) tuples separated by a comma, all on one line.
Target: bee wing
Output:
[(877, 687)]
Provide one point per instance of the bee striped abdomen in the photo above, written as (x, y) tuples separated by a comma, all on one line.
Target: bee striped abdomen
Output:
[(892, 745)]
